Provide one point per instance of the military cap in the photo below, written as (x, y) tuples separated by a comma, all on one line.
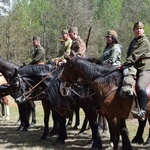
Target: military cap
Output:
[(138, 24), (65, 31), (73, 29), (36, 38), (112, 33)]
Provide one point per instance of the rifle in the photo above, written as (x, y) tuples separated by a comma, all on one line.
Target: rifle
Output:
[(87, 40)]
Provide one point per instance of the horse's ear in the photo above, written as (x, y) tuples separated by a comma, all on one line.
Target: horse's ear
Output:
[(15, 72), (67, 57)]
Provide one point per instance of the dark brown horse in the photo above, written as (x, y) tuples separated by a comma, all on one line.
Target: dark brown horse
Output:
[(106, 82)]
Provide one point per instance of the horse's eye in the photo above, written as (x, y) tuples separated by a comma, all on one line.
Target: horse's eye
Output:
[(66, 84), (16, 84)]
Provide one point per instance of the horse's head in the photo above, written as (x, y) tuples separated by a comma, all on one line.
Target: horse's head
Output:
[(69, 73), (18, 87), (68, 77)]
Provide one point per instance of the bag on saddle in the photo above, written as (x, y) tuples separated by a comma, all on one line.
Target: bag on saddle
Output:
[(128, 81)]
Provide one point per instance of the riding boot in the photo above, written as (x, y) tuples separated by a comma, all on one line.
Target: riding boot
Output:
[(142, 98)]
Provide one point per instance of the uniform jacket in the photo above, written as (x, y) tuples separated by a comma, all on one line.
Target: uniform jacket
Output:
[(138, 54), (112, 55), (78, 48), (38, 55), (66, 47)]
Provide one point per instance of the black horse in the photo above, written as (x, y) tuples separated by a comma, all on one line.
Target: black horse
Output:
[(50, 85), (25, 109)]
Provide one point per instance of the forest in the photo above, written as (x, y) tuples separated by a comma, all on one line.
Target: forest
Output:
[(20, 20)]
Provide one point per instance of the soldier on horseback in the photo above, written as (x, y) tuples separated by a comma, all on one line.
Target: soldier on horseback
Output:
[(39, 52), (138, 58)]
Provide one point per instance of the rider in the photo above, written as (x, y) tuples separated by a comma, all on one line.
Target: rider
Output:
[(78, 47), (138, 57), (66, 43), (39, 52), (112, 51)]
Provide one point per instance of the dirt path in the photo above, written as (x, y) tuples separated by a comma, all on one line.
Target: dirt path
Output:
[(10, 139)]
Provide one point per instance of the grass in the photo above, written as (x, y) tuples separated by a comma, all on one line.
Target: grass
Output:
[(12, 139)]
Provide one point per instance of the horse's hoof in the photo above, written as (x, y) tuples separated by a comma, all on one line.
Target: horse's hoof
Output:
[(53, 132), (59, 142), (25, 130), (19, 128), (68, 126), (137, 140), (32, 125), (75, 128)]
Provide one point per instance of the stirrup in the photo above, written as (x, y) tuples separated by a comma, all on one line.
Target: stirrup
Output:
[(140, 114)]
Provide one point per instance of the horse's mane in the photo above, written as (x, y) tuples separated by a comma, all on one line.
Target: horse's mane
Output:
[(102, 72), (36, 70), (9, 66)]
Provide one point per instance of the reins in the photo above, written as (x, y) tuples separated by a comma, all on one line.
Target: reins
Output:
[(75, 84), (28, 93)]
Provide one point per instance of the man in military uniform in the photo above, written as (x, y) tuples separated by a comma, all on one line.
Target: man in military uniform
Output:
[(39, 52), (138, 56), (78, 47), (66, 43)]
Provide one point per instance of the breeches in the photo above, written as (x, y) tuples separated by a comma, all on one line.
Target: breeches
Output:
[(143, 80)]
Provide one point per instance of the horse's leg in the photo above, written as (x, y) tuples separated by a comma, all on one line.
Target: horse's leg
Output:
[(23, 117), (138, 137), (55, 129), (148, 138), (77, 116), (3, 107), (46, 107), (83, 128), (33, 112), (114, 127), (62, 131), (102, 123), (7, 112), (97, 143), (126, 145), (70, 119), (5, 99)]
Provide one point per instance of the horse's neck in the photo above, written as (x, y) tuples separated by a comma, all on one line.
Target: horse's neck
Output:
[(9, 66)]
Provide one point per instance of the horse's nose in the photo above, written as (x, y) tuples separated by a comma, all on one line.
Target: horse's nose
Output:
[(18, 100)]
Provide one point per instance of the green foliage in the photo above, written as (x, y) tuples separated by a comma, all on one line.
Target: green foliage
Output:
[(47, 18)]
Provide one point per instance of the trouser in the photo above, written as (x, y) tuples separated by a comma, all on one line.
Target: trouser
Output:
[(128, 80), (142, 83)]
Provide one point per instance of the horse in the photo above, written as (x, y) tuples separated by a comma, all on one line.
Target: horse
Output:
[(62, 104), (4, 100), (5, 105), (25, 109), (106, 82)]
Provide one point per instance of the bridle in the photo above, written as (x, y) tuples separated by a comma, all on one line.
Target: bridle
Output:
[(76, 83), (26, 81)]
